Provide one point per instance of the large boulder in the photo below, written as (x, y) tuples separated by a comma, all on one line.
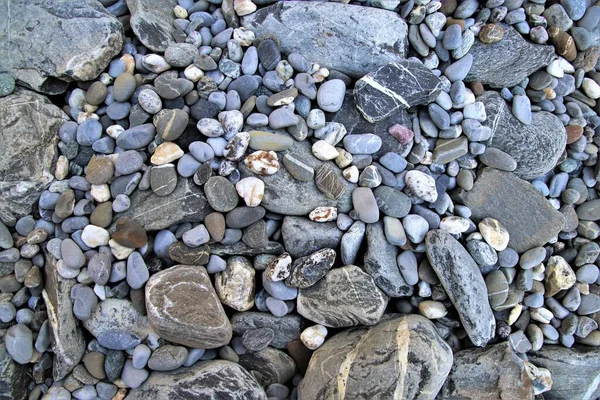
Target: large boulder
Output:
[(48, 43), (323, 33), (401, 358), (152, 22), (29, 123), (218, 379), (536, 147)]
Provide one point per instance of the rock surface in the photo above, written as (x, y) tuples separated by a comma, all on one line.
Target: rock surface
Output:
[(51, 43), (536, 147), (406, 355), (29, 124), (462, 280), (529, 218), (152, 22), (14, 377), (507, 62), (320, 31), (299, 244), (286, 328)]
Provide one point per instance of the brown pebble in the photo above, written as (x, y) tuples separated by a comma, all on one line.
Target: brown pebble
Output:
[(102, 215), (491, 33), (96, 93), (33, 278), (477, 88), (451, 21), (94, 363), (300, 354), (448, 7), (183, 254), (587, 59), (99, 170), (37, 236), (563, 43), (574, 132), (248, 106), (66, 203), (215, 225), (130, 234)]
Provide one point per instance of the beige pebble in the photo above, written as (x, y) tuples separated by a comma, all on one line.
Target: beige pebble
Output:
[(313, 336), (120, 252), (243, 7), (100, 193), (94, 236), (432, 309), (180, 12), (165, 153), (251, 190), (262, 162), (62, 168), (494, 233), (324, 151), (351, 174)]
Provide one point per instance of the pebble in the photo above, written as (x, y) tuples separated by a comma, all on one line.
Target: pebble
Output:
[(330, 95), (421, 185), (521, 109), (167, 358), (367, 143), (494, 233), (365, 205), (262, 162), (196, 236), (324, 151), (496, 158), (314, 336), (415, 227), (221, 194)]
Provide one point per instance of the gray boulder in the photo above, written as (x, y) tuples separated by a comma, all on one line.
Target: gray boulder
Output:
[(536, 147), (321, 33), (48, 43), (29, 123), (274, 365), (462, 280), (509, 61), (286, 328), (301, 236), (14, 377), (217, 379), (400, 358), (152, 22), (530, 219)]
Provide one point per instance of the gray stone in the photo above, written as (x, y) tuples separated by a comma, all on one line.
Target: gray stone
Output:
[(218, 379), (376, 38), (345, 297), (136, 137), (286, 328), (152, 22), (509, 61), (221, 194), (529, 218), (536, 147), (392, 202), (306, 271), (14, 377), (462, 280), (405, 354), (163, 179), (64, 42), (167, 358), (274, 366), (30, 124), (399, 85), (320, 235), (258, 339)]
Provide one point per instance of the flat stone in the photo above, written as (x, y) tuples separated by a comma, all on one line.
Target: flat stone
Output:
[(529, 218), (286, 328), (377, 36), (406, 353), (299, 244), (163, 179), (221, 194), (462, 280), (183, 254), (306, 271), (152, 23)]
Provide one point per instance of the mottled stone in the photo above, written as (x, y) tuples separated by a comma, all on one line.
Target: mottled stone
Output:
[(306, 271), (14, 377), (273, 365), (235, 285), (299, 244), (152, 23), (286, 328)]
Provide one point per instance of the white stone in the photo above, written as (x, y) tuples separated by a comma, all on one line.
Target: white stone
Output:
[(120, 252), (245, 37), (591, 88), (62, 168), (100, 193), (243, 7), (494, 233), (351, 174), (514, 315), (555, 69), (314, 336), (542, 315), (323, 214), (421, 185), (165, 153), (324, 151), (155, 63), (193, 73), (279, 268), (454, 224), (432, 309), (114, 131), (100, 291), (180, 12), (566, 65), (262, 162), (94, 236), (344, 158), (251, 190)]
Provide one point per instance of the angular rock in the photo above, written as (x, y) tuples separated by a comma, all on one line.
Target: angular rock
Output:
[(170, 295), (274, 365), (183, 254), (286, 328), (398, 85), (51, 43), (186, 203), (530, 219), (152, 22), (302, 236), (536, 147), (494, 372), (67, 339), (215, 379), (235, 285), (320, 32), (405, 354), (344, 297), (241, 249), (509, 61), (306, 271), (462, 280), (14, 377), (29, 123)]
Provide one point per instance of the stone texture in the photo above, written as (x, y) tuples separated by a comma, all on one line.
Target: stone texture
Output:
[(29, 123), (536, 147), (530, 219), (320, 235), (398, 85), (507, 62), (14, 377), (491, 373), (274, 365), (216, 379), (286, 328), (400, 358), (170, 296), (321, 32), (186, 203), (152, 22), (462, 280), (47, 44), (344, 297)]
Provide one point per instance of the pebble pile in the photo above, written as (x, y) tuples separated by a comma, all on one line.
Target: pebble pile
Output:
[(206, 214)]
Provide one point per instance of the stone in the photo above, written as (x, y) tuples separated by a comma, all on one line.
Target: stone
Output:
[(306, 271), (392, 202), (406, 353), (365, 205), (210, 379), (536, 147), (83, 41), (260, 140), (186, 203), (19, 343), (525, 213), (330, 95), (183, 254), (298, 244), (421, 185), (398, 85), (462, 280), (344, 297), (273, 365), (507, 62), (494, 233), (14, 377), (262, 162), (167, 358), (383, 34), (286, 328), (163, 179), (170, 124), (129, 233), (492, 372), (558, 275), (152, 23), (221, 194), (31, 124), (235, 285), (366, 143)]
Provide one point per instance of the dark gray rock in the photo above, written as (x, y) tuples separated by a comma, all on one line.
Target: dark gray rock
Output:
[(152, 22), (274, 365), (509, 61), (29, 123), (217, 379), (536, 147), (321, 33), (575, 371), (241, 249), (286, 328), (398, 85), (54, 42), (529, 218), (380, 263), (306, 271), (344, 297), (494, 372), (398, 358), (14, 377), (462, 280), (185, 204), (301, 236)]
